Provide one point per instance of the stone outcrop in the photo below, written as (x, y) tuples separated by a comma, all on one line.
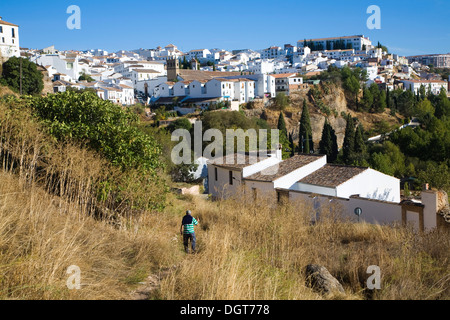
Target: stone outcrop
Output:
[(321, 280)]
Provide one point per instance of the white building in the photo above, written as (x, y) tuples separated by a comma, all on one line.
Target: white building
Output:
[(357, 42), (433, 85), (273, 53), (200, 54), (9, 40), (284, 81), (235, 90), (125, 68), (64, 64), (304, 173), (143, 74), (261, 66)]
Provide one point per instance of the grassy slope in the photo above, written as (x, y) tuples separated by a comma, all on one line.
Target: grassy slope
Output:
[(245, 252)]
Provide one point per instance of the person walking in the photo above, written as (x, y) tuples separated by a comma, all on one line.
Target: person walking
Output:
[(187, 230)]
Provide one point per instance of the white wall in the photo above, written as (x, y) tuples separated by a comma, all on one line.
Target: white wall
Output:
[(60, 65), (373, 211), (371, 184), (430, 200), (9, 45), (222, 188)]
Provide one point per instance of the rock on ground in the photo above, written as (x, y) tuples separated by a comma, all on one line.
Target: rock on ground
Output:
[(321, 280)]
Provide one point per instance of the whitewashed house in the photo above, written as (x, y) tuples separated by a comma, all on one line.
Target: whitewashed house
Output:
[(302, 173), (64, 64), (225, 175), (345, 181), (9, 40), (434, 85), (284, 81)]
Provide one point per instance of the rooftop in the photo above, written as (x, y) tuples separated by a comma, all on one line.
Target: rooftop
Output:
[(187, 74), (334, 38), (7, 23), (238, 160), (332, 175), (283, 168)]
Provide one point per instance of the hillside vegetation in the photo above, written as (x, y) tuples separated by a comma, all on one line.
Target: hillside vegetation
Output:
[(73, 192)]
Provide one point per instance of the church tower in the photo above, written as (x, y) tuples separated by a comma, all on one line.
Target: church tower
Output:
[(172, 68)]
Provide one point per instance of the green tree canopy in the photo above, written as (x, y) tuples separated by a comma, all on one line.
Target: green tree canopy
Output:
[(328, 143), (17, 70)]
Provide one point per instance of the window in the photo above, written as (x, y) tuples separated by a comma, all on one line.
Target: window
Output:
[(215, 173), (231, 177), (1, 29), (13, 32)]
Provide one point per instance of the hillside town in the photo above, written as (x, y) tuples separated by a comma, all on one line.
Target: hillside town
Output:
[(313, 168), (199, 77)]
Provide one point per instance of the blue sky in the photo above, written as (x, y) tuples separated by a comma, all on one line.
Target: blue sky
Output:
[(407, 26)]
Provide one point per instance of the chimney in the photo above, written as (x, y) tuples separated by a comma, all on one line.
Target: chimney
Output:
[(426, 186)]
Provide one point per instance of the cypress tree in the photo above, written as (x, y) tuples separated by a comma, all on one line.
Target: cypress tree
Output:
[(349, 140), (334, 146), (388, 98), (360, 146), (305, 129), (325, 144), (307, 150), (282, 125), (328, 145), (291, 144)]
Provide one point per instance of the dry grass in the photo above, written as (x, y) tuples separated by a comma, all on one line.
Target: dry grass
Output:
[(41, 236), (260, 252), (246, 250)]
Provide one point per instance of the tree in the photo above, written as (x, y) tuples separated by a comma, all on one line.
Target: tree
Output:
[(282, 125), (351, 84), (422, 92), (281, 100), (406, 103), (307, 150), (328, 143), (305, 132), (390, 160), (181, 123), (291, 144), (424, 110), (442, 105), (367, 100), (22, 76), (86, 77), (349, 140), (360, 145)]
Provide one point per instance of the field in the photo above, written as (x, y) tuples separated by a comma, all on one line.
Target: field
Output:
[(244, 252)]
